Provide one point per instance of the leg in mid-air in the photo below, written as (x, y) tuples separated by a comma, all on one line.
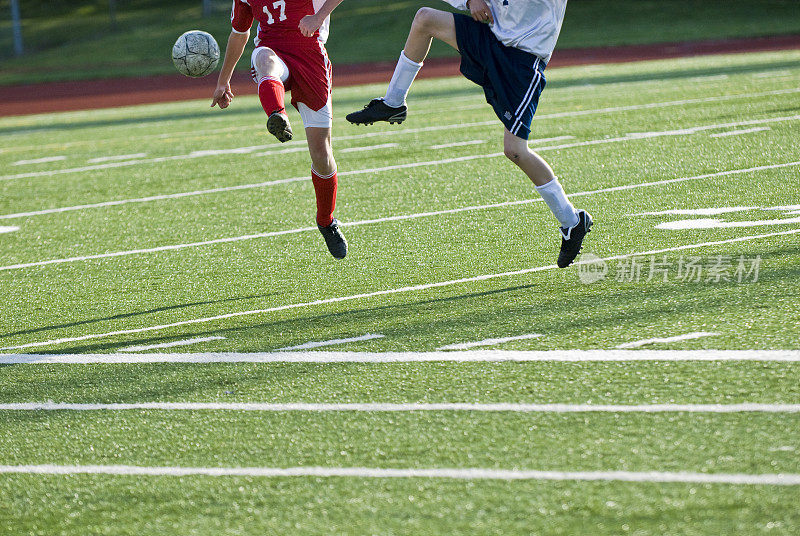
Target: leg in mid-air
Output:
[(270, 72), (574, 223), (428, 24), (323, 176)]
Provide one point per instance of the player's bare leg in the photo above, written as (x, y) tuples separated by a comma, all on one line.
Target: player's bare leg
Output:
[(534, 166), (574, 223), (428, 24), (323, 176), (272, 72)]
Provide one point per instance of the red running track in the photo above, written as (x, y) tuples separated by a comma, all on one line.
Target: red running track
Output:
[(90, 94)]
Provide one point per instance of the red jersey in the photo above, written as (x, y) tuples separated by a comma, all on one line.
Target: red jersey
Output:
[(277, 20)]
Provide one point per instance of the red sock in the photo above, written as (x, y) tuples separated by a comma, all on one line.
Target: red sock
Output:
[(325, 188), (271, 91)]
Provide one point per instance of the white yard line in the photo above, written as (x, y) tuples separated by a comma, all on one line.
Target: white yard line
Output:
[(251, 149), (172, 344), (709, 78), (332, 342), (304, 178), (703, 128), (400, 131), (467, 356), (101, 159), (489, 342), (677, 338), (771, 74), (44, 160), (387, 292), (739, 132), (379, 220), (408, 407), (457, 144), (369, 148), (666, 104), (153, 198), (156, 249), (711, 211), (358, 172), (785, 479)]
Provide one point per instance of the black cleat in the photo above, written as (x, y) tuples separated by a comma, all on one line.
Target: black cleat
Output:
[(572, 239), (334, 239), (278, 125), (377, 110)]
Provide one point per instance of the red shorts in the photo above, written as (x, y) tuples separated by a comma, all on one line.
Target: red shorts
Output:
[(309, 71)]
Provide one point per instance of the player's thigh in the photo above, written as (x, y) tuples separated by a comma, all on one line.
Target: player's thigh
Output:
[(318, 135), (438, 24), (266, 62)]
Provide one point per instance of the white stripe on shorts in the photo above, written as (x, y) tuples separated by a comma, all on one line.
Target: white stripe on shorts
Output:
[(527, 99)]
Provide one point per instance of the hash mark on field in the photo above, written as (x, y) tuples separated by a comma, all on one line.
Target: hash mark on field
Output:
[(465, 473), (172, 344), (386, 292), (8, 228), (677, 338), (713, 223), (319, 344), (739, 132), (409, 407), (489, 342), (39, 160), (115, 158), (467, 356), (457, 144)]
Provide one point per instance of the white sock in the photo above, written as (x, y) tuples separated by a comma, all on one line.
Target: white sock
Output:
[(402, 78), (555, 198)]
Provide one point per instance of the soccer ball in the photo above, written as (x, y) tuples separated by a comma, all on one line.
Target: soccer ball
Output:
[(195, 53)]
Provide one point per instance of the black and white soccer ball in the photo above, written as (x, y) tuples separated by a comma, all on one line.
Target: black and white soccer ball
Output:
[(195, 53)]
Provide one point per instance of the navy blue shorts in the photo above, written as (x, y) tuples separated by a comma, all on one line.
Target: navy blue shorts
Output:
[(512, 79)]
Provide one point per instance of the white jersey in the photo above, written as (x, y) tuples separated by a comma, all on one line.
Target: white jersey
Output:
[(529, 25)]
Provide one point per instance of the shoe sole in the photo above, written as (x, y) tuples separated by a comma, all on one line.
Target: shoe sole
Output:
[(392, 121), (278, 126)]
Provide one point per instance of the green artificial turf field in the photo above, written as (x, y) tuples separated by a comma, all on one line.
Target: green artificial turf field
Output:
[(175, 228)]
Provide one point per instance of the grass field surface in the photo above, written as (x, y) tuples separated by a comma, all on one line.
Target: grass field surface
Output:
[(445, 377)]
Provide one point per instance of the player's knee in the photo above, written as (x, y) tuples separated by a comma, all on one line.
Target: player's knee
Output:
[(515, 149), (512, 153), (267, 62), (424, 19)]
